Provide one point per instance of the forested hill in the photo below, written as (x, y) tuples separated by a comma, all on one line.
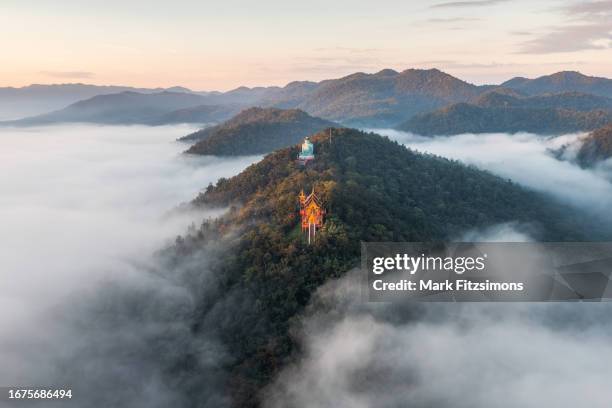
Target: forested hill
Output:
[(564, 81), (373, 190), (501, 112), (380, 190), (385, 98), (256, 131), (596, 147)]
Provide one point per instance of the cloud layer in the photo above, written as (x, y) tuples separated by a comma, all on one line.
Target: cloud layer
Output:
[(88, 304), (446, 355), (68, 74), (587, 26), (463, 4), (85, 301)]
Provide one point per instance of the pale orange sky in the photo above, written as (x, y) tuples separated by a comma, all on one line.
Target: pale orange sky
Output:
[(219, 45)]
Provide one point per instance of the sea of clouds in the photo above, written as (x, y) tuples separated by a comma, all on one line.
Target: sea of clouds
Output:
[(86, 302), (462, 355), (83, 210)]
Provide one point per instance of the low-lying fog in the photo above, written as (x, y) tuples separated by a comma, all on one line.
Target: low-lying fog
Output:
[(79, 205), (447, 355), (83, 208)]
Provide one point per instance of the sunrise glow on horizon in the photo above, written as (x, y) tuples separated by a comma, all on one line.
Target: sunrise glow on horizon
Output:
[(207, 45)]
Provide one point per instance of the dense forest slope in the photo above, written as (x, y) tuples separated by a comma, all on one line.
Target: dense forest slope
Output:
[(256, 131), (373, 190), (596, 147), (503, 112)]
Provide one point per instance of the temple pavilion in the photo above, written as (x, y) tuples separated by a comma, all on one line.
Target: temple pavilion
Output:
[(311, 213)]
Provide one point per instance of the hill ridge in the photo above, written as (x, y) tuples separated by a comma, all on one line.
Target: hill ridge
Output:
[(496, 111), (255, 131)]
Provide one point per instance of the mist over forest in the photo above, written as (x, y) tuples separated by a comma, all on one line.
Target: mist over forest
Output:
[(85, 209), (96, 302), (319, 204), (527, 159)]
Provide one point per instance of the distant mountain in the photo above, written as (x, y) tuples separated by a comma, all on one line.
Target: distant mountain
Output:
[(198, 114), (290, 96), (130, 108), (565, 81), (596, 147), (385, 98), (16, 103), (179, 89), (500, 98), (486, 90), (256, 131), (245, 96), (388, 98), (503, 112)]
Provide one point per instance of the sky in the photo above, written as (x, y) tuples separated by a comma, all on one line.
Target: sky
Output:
[(220, 45)]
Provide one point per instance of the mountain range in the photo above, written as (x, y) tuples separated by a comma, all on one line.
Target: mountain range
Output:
[(384, 99), (565, 81), (504, 111), (256, 131), (16, 103), (377, 100)]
